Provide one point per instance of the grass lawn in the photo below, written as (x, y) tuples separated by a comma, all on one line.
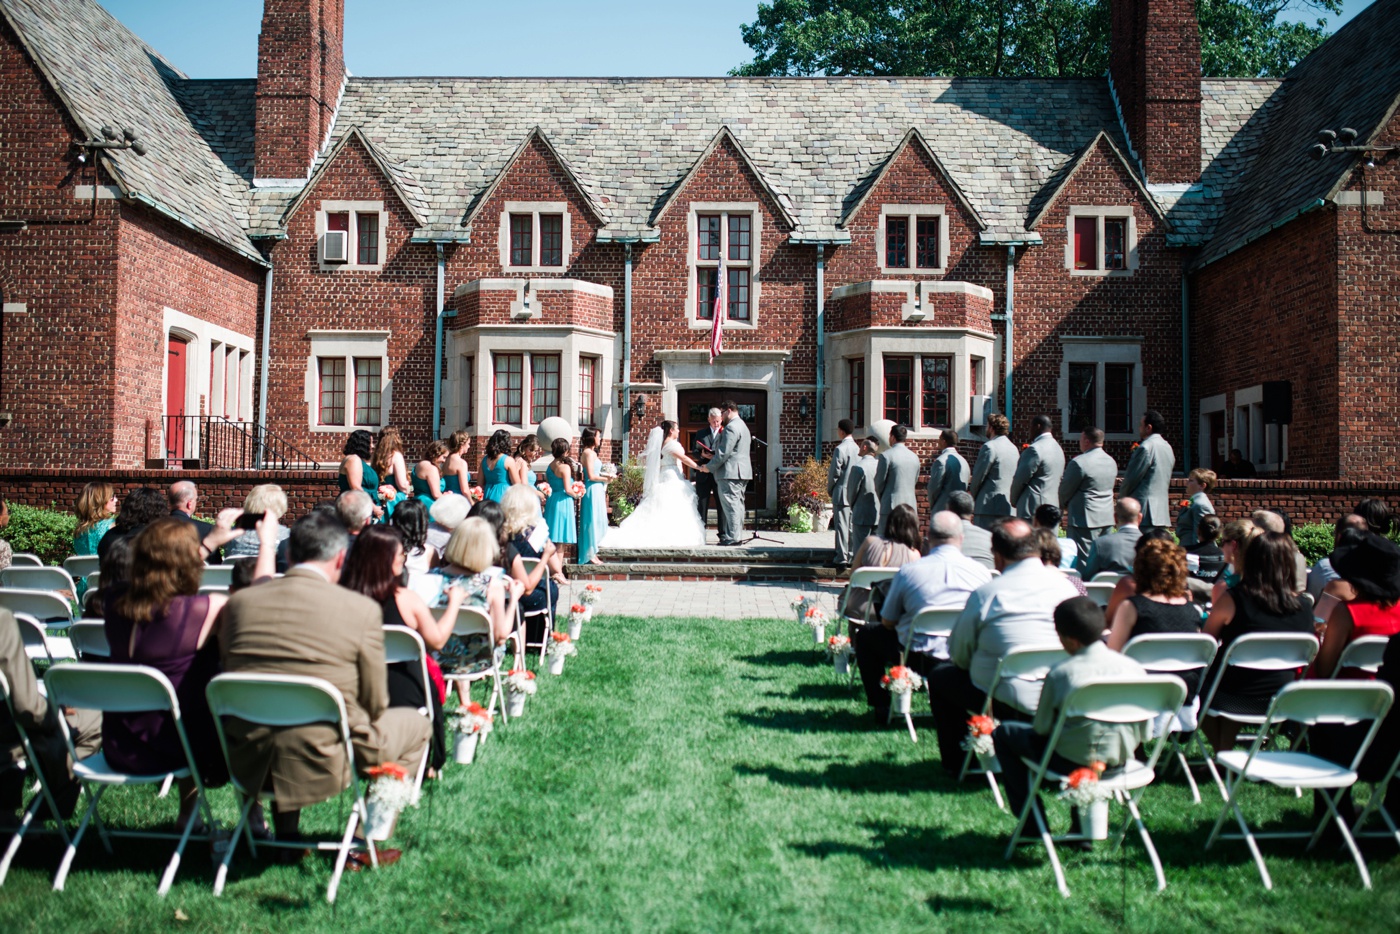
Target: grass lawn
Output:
[(697, 775)]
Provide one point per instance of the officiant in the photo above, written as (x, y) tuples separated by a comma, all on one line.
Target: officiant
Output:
[(702, 450)]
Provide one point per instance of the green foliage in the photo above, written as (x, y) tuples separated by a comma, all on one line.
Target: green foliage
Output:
[(799, 519), (47, 533), (626, 491), (1314, 540), (1013, 38)]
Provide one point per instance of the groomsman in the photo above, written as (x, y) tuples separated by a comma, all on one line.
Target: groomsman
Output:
[(704, 449), (1086, 492), (860, 490), (1149, 473), (948, 473), (1038, 472), (841, 459), (897, 477), (992, 474)]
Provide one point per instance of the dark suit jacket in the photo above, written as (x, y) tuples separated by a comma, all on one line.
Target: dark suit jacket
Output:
[(203, 528)]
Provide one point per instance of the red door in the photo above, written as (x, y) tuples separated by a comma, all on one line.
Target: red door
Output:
[(177, 355)]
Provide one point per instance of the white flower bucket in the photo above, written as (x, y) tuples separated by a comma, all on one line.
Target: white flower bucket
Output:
[(842, 663), (380, 825), (819, 631), (821, 519), (556, 664), (464, 751), (1093, 820), (575, 627), (901, 702), (516, 706), (801, 615)]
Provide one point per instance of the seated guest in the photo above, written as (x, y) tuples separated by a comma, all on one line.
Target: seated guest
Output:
[(114, 572), (357, 471), (1196, 506), (943, 578), (44, 724), (141, 507), (1265, 600), (1338, 742), (303, 624), (526, 537), (1321, 574), (1377, 515), (1114, 552), (1160, 602), (1079, 625), (355, 510), (1012, 611), (1234, 542), (96, 510), (1126, 585), (183, 496), (263, 499), (1272, 520), (375, 569), (1047, 516), (473, 554), (976, 541), (1209, 558), (1049, 544), (1371, 565), (492, 512), (900, 545), (161, 620), (445, 515), (411, 521)]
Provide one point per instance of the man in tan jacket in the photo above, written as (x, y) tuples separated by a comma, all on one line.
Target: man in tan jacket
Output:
[(304, 624)]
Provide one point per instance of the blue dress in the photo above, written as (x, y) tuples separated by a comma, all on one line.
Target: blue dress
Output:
[(369, 481), (559, 512), (495, 480), (85, 543), (593, 520), (452, 484), (424, 492)]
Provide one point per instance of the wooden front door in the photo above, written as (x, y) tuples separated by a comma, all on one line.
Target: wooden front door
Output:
[(176, 359), (693, 407)]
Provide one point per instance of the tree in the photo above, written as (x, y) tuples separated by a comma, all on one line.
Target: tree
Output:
[(1007, 38)]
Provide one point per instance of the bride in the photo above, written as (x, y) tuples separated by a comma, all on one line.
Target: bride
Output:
[(668, 516)]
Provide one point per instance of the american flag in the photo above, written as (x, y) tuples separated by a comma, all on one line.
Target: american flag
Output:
[(717, 329)]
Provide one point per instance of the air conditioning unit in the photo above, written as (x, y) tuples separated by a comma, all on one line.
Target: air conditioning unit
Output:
[(981, 408), (335, 247)]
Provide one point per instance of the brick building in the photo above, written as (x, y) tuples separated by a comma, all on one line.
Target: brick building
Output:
[(307, 252)]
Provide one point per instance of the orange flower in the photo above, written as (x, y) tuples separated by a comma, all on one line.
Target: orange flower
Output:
[(561, 636), (529, 675), (476, 709), (898, 672), (387, 770), (885, 680), (1082, 775), (577, 608), (981, 725), (1024, 446), (1135, 446)]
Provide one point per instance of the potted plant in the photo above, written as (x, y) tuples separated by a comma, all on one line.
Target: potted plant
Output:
[(807, 495)]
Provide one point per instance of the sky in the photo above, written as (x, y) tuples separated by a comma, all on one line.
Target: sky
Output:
[(565, 38)]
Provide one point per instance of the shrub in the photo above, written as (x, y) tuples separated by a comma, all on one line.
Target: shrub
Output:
[(799, 519), (626, 491), (806, 487), (1314, 540), (47, 533)]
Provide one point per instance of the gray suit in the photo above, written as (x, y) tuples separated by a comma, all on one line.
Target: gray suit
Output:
[(1086, 496), (991, 480), (865, 503), (897, 481), (1112, 553), (1038, 473), (841, 459), (1147, 479), (733, 471), (947, 474), (1189, 518), (977, 544)]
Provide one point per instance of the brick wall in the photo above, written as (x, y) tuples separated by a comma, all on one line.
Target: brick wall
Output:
[(1156, 67), (218, 489)]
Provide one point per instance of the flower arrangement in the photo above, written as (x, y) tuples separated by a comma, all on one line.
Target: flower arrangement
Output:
[(902, 680), (839, 647), (478, 493), (800, 604), (560, 646), (814, 616), (578, 611), (390, 787), (521, 681), (473, 718), (1081, 787), (590, 594), (979, 736)]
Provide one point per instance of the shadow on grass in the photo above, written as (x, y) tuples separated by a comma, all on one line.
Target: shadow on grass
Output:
[(898, 846), (808, 721), (830, 691), (775, 659), (873, 777)]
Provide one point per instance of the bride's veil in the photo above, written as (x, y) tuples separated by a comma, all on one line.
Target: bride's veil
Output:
[(653, 459)]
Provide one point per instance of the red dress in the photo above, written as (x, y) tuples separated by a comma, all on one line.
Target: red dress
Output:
[(1370, 619)]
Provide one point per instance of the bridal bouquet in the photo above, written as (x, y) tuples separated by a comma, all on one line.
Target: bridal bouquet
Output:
[(979, 737), (521, 681), (478, 493), (902, 680), (1081, 787), (577, 489)]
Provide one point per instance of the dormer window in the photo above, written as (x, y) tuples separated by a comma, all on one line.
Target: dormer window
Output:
[(350, 234), (1101, 241), (535, 236), (911, 239)]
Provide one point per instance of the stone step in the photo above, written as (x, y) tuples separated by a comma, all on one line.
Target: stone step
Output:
[(757, 553), (702, 571)]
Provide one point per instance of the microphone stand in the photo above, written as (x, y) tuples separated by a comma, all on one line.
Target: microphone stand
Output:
[(757, 536)]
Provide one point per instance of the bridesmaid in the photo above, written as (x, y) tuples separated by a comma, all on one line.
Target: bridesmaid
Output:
[(391, 467), (496, 466), (427, 476), (559, 509), (593, 518), (356, 472), (526, 453), (457, 475)]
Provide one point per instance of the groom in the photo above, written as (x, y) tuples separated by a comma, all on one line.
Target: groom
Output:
[(733, 471)]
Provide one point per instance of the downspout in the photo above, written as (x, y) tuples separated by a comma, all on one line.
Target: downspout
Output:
[(266, 361), (821, 345), (1010, 306), (626, 346), (1186, 374), (437, 347)]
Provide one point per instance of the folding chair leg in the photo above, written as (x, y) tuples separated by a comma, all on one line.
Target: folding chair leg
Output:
[(1186, 770), (909, 722), (343, 851), (165, 786), (1049, 842), (1346, 835), (1147, 843), (221, 876), (996, 790), (68, 854), (967, 764), (1210, 766), (1232, 805), (18, 837), (169, 877)]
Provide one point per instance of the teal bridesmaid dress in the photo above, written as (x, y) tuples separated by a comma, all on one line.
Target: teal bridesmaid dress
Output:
[(496, 480), (593, 520), (424, 492), (559, 512)]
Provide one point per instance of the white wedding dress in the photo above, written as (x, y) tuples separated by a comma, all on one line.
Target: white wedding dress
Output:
[(669, 513)]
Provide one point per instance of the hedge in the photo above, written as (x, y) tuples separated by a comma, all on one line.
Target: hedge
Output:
[(47, 533)]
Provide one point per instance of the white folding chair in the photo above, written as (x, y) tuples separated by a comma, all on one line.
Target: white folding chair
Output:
[(27, 577), (1257, 651), (931, 621), (33, 636), (81, 565), (1365, 653), (1107, 577), (1028, 663), (402, 644), (472, 622), (1101, 592), (47, 607), (31, 764), (547, 611), (1376, 805), (1118, 701), (206, 589), (216, 575), (864, 578), (1308, 703), (284, 701), (123, 689), (1177, 654), (25, 558), (89, 638)]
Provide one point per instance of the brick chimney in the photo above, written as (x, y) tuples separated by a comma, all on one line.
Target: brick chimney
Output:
[(1155, 62), (301, 69)]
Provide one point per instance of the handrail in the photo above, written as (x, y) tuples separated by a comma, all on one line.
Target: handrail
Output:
[(219, 443)]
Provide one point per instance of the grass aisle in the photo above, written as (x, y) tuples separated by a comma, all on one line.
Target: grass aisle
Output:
[(698, 775)]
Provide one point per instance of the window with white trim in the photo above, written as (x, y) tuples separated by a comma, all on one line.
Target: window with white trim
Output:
[(976, 381), (1101, 241), (1101, 386), (535, 236), (724, 240), (544, 386), (918, 390), (912, 238), (855, 375), (507, 388), (1263, 445), (587, 386), (467, 385), (348, 382), (362, 222)]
